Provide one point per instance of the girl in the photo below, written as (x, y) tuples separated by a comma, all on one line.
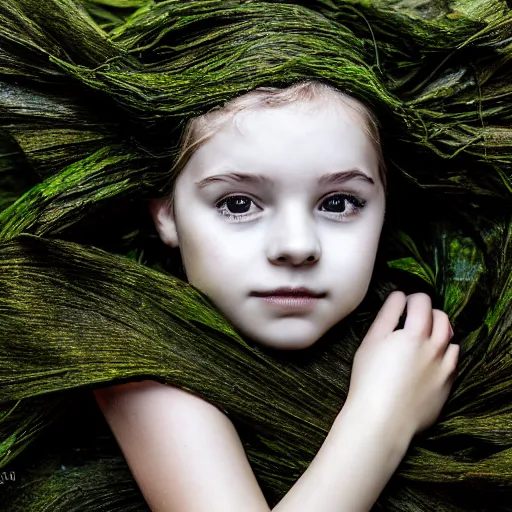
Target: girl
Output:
[(93, 100), (277, 211)]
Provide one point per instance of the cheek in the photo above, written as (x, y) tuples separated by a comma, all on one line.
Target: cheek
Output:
[(352, 261), (209, 258)]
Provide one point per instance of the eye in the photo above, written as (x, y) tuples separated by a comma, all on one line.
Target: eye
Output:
[(344, 205), (235, 207), (339, 206)]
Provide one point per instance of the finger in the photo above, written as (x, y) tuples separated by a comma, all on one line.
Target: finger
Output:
[(451, 358), (419, 314), (388, 316), (442, 331)]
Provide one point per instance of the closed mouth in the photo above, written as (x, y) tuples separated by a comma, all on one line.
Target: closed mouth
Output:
[(300, 293)]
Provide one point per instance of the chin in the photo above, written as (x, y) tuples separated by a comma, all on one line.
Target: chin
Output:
[(284, 343)]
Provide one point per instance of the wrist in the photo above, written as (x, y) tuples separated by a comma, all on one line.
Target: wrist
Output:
[(391, 430)]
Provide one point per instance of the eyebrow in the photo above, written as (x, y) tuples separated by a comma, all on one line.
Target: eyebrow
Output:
[(336, 178)]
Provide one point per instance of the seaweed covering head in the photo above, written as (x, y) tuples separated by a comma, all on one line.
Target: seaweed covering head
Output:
[(279, 190)]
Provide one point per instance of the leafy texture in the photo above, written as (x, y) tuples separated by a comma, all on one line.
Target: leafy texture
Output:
[(94, 95)]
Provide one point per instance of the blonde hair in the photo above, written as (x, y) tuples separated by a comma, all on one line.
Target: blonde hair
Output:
[(200, 129)]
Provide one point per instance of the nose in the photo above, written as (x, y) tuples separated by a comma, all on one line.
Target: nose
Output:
[(293, 240)]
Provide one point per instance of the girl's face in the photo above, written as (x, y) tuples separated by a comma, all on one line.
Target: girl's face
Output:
[(287, 196)]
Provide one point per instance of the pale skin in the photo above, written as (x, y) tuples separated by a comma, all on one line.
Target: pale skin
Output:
[(183, 452)]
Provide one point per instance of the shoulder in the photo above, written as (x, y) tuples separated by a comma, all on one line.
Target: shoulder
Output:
[(150, 403), (184, 453), (148, 393)]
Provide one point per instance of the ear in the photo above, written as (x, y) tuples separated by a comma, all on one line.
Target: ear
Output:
[(163, 217)]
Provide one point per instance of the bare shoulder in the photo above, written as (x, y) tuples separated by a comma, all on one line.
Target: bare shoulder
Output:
[(147, 394), (184, 453)]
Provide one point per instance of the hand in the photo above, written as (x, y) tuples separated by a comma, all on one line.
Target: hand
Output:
[(404, 377)]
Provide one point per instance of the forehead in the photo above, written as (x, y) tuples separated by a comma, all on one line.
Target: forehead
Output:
[(296, 139), (298, 120)]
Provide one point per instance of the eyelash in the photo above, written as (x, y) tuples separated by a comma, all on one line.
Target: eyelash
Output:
[(357, 205)]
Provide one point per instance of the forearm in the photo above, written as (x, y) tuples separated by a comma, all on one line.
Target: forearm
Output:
[(351, 468)]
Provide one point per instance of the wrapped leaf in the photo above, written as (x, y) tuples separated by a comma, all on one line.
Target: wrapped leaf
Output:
[(94, 95)]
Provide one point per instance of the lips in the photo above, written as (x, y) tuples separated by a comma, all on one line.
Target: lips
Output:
[(290, 292)]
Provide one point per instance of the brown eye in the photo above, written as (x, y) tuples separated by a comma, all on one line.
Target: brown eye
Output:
[(343, 205), (336, 204), (236, 204)]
